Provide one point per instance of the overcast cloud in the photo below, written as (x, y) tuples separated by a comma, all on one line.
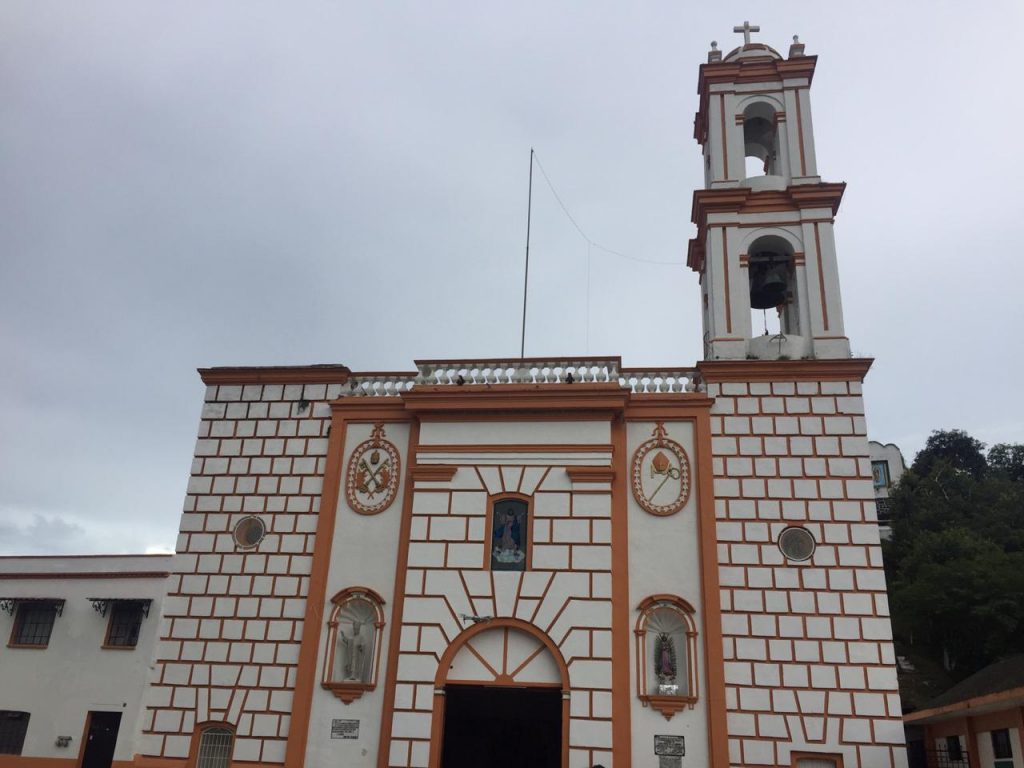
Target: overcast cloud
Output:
[(192, 184)]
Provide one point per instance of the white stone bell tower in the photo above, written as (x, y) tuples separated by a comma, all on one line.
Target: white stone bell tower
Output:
[(764, 237)]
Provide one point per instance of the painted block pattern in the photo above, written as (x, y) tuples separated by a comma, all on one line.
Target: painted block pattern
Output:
[(809, 661), (232, 621), (566, 594)]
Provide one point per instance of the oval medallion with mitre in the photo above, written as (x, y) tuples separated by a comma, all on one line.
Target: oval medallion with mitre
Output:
[(660, 474), (373, 471)]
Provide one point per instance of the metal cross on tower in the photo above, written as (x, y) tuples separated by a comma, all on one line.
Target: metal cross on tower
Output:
[(746, 29)]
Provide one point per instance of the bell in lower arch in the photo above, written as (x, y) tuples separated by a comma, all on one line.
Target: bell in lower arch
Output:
[(767, 284)]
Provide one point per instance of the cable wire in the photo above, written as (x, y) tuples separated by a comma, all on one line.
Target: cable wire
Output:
[(592, 243)]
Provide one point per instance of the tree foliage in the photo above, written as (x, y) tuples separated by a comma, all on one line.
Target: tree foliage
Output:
[(955, 561)]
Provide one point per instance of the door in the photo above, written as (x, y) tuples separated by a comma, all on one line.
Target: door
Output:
[(100, 739), (488, 725)]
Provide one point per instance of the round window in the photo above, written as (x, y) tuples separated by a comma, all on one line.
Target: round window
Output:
[(249, 531), (796, 543)]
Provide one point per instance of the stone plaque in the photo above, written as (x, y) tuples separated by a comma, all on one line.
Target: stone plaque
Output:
[(670, 761), (344, 729), (672, 746)]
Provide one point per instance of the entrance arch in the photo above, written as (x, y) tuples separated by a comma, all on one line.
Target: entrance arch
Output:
[(508, 662)]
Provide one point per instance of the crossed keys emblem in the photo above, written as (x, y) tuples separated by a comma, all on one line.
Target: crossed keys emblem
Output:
[(374, 477), (373, 473)]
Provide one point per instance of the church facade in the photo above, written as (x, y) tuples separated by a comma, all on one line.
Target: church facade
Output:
[(557, 562)]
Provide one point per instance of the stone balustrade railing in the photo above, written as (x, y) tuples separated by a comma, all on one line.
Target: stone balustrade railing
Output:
[(524, 371)]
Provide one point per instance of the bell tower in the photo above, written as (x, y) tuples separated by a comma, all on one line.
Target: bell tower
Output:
[(764, 217)]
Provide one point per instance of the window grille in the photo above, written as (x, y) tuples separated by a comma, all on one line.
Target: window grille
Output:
[(946, 757), (12, 731), (125, 623), (34, 624), (816, 762), (215, 748)]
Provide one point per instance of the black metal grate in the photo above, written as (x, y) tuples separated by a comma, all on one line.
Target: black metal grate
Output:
[(125, 623), (34, 624), (946, 758), (12, 731)]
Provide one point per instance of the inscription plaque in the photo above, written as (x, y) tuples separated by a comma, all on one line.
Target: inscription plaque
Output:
[(344, 729), (671, 746)]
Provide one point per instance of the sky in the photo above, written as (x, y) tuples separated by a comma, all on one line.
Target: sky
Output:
[(196, 184)]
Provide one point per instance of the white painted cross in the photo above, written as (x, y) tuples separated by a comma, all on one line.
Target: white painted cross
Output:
[(746, 29)]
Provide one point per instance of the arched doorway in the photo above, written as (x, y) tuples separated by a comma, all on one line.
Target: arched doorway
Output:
[(501, 700)]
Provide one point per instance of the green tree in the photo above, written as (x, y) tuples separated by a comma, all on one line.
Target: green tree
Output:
[(955, 561)]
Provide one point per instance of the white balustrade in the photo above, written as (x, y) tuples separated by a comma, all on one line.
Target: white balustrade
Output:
[(528, 371)]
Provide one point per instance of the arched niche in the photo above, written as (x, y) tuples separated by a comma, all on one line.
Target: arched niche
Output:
[(355, 629), (666, 654)]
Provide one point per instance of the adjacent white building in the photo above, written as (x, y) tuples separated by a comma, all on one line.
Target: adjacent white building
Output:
[(80, 642), (887, 467)]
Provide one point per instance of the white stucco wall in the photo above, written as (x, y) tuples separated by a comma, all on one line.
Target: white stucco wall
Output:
[(363, 553), (59, 685), (664, 558)]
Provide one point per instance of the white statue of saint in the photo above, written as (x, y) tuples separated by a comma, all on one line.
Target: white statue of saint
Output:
[(351, 654)]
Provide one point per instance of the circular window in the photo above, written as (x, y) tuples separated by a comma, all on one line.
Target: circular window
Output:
[(249, 532), (796, 543)]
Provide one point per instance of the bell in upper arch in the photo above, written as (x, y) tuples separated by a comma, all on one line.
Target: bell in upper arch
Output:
[(768, 284)]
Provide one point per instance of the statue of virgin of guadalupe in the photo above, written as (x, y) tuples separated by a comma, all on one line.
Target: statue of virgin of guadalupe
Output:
[(665, 659)]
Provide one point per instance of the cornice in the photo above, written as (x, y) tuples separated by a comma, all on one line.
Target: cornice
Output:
[(277, 374), (590, 474), (505, 398), (433, 472), (759, 69), (743, 200), (849, 369)]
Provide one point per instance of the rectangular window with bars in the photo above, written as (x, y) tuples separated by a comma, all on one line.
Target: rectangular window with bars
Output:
[(125, 624), (13, 726), (33, 624)]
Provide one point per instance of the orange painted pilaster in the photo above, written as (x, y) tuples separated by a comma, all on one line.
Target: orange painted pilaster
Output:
[(621, 700)]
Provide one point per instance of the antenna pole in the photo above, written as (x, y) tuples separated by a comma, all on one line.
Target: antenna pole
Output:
[(526, 273)]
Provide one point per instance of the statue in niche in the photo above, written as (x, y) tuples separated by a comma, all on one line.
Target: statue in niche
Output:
[(508, 552), (352, 654), (665, 665)]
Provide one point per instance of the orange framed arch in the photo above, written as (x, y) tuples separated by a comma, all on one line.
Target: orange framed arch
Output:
[(667, 705), (347, 690), (441, 679), (197, 738)]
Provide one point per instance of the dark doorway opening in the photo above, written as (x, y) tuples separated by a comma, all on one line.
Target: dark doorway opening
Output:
[(101, 739), (502, 727)]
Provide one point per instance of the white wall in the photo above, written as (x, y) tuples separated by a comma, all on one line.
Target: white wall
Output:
[(73, 675), (664, 558)]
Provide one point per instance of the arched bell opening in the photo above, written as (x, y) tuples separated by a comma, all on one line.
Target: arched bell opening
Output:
[(771, 272), (760, 141)]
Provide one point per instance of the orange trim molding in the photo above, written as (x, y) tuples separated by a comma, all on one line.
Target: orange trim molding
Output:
[(434, 472), (590, 474), (852, 369)]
